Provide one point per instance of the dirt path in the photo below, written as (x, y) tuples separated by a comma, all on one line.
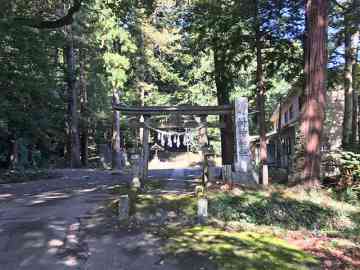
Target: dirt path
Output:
[(58, 224)]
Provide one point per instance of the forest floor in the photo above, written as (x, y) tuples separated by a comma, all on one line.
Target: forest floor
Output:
[(70, 222)]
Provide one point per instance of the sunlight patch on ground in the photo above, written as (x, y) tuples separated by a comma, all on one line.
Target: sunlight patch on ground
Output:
[(5, 196), (239, 250), (176, 161), (80, 191), (48, 196), (55, 243), (70, 261)]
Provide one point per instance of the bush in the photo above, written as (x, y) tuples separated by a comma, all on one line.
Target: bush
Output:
[(346, 183), (273, 210)]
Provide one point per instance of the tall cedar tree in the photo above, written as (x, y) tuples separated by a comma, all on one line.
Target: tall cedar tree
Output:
[(260, 96), (349, 10), (313, 114), (84, 136), (72, 92)]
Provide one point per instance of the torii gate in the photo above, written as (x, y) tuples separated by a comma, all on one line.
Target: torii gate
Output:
[(239, 110)]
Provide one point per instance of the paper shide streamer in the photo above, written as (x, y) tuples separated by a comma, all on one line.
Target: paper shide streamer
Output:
[(173, 138)]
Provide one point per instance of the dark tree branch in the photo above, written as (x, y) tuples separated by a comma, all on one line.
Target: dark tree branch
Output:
[(339, 5), (344, 8), (50, 24)]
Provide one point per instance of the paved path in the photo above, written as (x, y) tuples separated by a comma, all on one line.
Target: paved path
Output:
[(42, 224)]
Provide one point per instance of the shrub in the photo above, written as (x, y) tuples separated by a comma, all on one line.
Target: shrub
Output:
[(347, 182), (276, 209)]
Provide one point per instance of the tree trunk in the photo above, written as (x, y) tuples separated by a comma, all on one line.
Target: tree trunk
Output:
[(117, 162), (348, 86), (73, 116), (355, 99), (84, 138), (312, 117), (142, 104), (260, 97), (357, 84), (14, 155), (278, 143), (141, 76), (223, 88), (30, 156)]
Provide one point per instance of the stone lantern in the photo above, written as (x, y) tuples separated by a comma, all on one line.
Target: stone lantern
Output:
[(156, 148)]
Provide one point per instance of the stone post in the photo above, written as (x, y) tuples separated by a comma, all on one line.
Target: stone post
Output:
[(243, 168), (135, 161), (202, 210), (203, 135), (123, 207), (146, 149)]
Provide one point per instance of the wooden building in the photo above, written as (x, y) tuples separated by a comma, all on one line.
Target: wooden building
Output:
[(285, 127)]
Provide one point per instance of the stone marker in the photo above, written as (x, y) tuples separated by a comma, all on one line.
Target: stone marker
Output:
[(123, 207), (243, 168), (136, 181), (226, 173), (105, 155), (202, 210), (136, 171)]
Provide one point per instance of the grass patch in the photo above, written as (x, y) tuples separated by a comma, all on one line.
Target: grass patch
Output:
[(284, 209), (20, 176), (238, 250), (181, 204), (151, 203), (122, 189), (153, 185), (251, 228)]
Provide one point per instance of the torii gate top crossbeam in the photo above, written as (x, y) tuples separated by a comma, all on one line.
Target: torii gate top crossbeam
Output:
[(184, 110)]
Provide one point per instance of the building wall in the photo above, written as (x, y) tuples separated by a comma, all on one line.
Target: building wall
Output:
[(334, 118), (291, 156), (290, 105)]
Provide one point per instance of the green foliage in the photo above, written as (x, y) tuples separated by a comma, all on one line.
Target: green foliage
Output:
[(30, 88), (349, 194), (151, 52), (350, 164), (236, 250), (274, 209), (346, 183), (22, 175)]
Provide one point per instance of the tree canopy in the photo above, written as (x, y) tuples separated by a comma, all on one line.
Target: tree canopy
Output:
[(64, 62)]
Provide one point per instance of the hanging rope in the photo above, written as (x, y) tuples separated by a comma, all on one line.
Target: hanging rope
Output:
[(173, 133), (172, 138)]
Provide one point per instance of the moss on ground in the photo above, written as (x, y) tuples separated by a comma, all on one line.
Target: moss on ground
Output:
[(148, 202), (181, 204), (20, 176), (122, 189), (284, 209), (239, 250), (153, 185), (260, 218)]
